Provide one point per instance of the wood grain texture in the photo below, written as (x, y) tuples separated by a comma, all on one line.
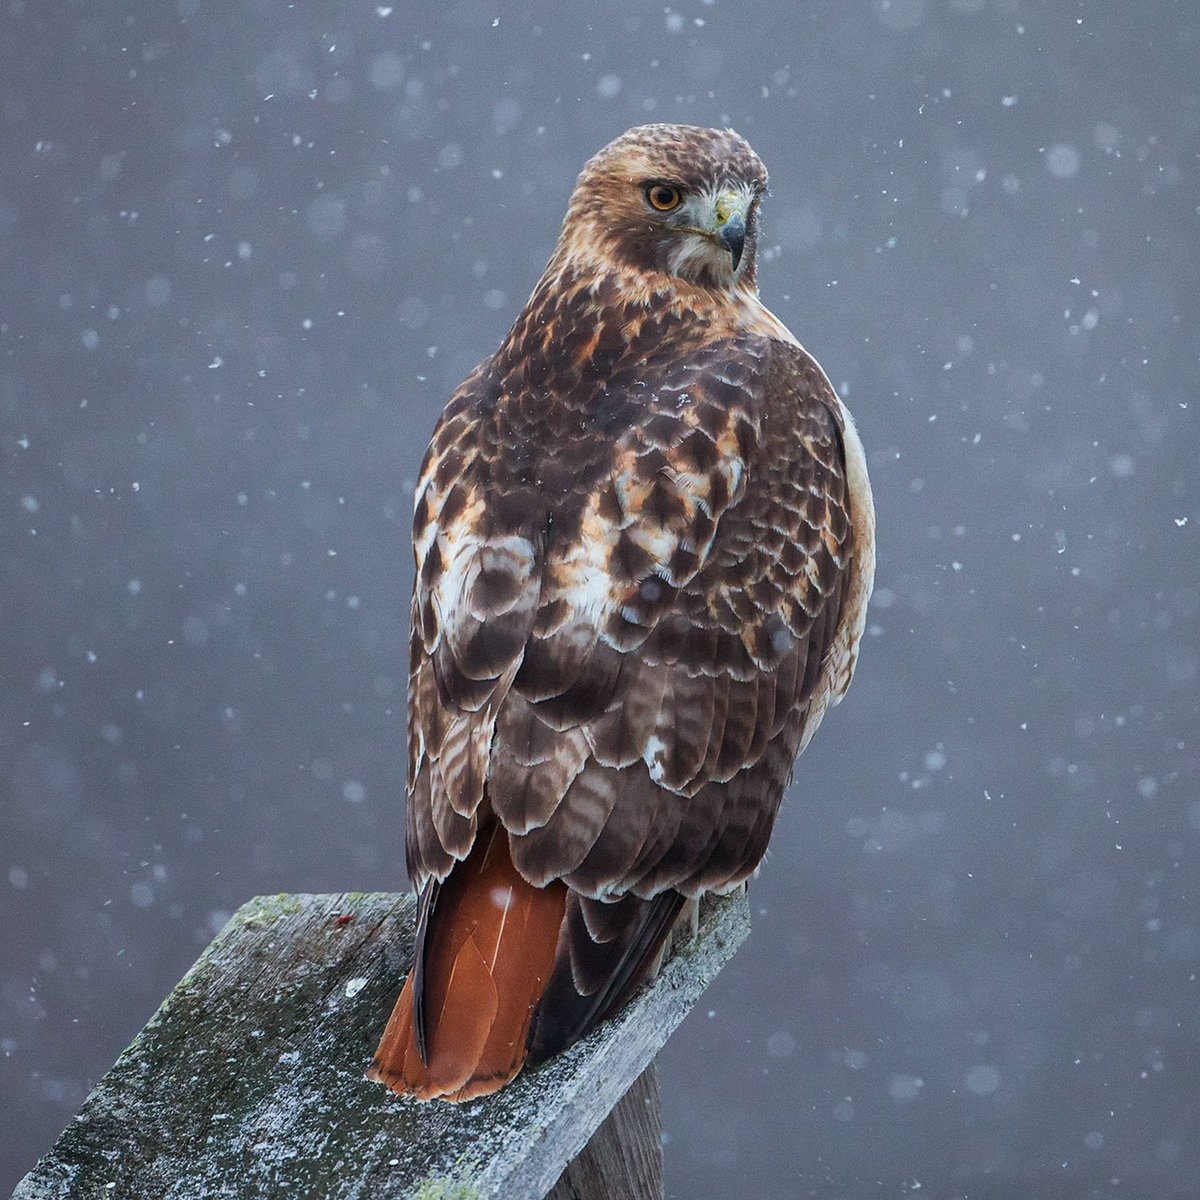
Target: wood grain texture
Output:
[(623, 1160), (248, 1081)]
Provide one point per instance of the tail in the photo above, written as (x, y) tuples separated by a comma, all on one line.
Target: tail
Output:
[(485, 951)]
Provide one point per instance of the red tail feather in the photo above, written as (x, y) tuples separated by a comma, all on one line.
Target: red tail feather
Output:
[(488, 952)]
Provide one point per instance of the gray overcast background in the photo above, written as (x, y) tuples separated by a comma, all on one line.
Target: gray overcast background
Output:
[(247, 251)]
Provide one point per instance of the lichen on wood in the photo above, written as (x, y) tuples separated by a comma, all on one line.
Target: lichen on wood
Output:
[(248, 1081)]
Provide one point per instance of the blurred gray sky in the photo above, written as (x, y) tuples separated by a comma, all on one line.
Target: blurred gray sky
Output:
[(245, 254)]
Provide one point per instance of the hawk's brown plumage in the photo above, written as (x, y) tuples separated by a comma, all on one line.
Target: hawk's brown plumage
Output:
[(644, 545)]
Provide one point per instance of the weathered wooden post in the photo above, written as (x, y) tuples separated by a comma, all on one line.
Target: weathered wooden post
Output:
[(248, 1081)]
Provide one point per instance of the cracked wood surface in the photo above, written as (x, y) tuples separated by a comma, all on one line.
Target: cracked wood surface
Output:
[(248, 1081)]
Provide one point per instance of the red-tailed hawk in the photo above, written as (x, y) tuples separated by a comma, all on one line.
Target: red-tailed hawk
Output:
[(644, 545)]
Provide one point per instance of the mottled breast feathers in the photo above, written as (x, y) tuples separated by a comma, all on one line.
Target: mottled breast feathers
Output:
[(632, 567)]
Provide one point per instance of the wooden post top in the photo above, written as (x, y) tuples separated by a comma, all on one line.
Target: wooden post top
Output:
[(248, 1081)]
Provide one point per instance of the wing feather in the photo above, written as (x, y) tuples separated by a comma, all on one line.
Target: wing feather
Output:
[(620, 656)]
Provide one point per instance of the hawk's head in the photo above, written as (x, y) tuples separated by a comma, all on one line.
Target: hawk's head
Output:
[(674, 199)]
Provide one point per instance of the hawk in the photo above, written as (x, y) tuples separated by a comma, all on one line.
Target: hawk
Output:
[(644, 543)]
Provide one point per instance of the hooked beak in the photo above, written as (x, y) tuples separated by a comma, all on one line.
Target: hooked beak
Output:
[(731, 225), (733, 237)]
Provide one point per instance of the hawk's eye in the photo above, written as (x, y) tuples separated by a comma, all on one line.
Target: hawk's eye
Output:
[(663, 196)]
